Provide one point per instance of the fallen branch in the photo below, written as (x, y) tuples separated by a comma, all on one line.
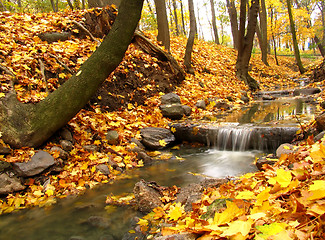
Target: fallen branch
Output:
[(9, 72), (80, 26), (61, 63), (42, 68)]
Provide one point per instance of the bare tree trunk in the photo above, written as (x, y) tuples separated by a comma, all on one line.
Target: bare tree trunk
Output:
[(32, 124), (320, 46), (54, 7), (273, 37), (190, 40), (214, 23), (294, 38), (263, 28), (19, 3), (183, 19), (77, 4), (233, 21), (175, 17), (150, 8), (70, 4), (83, 4), (163, 29), (245, 46)]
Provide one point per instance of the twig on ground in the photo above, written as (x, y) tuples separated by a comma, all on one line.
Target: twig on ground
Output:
[(79, 25), (42, 68), (61, 63)]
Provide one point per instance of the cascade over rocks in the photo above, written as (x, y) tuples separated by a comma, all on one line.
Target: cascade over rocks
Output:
[(38, 163)]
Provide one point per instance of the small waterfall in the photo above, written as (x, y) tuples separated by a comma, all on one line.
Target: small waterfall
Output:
[(235, 138)]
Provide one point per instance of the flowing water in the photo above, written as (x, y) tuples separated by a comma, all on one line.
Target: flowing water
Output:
[(86, 215)]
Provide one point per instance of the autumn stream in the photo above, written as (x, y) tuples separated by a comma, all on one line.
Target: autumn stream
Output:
[(88, 216)]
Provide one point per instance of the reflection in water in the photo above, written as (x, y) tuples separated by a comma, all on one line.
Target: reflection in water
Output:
[(70, 217), (282, 110)]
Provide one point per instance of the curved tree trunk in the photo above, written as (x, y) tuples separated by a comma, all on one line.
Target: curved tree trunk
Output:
[(190, 40), (245, 46), (32, 124)]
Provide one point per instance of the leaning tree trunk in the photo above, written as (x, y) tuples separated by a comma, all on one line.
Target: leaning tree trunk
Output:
[(191, 37), (294, 39), (32, 124), (320, 46), (245, 46), (263, 27)]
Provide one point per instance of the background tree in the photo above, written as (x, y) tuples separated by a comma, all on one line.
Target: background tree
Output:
[(32, 124), (214, 23), (233, 21), (294, 38), (175, 17), (263, 39), (245, 45), (163, 28), (183, 17), (191, 37)]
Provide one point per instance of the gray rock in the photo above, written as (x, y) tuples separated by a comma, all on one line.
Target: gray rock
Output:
[(62, 154), (103, 168), (4, 165), (66, 134), (98, 222), (170, 98), (187, 110), (137, 142), (173, 111), (189, 194), (306, 91), (319, 136), (90, 148), (38, 163), (142, 155), (112, 137), (268, 97), (4, 150), (201, 104), (260, 162), (284, 148), (146, 197), (320, 121), (9, 184), (151, 137), (181, 236), (66, 145)]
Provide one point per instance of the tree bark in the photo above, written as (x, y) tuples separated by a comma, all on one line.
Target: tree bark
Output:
[(70, 4), (320, 46), (263, 28), (294, 38), (245, 46), (163, 29), (183, 19), (175, 17), (32, 124), (190, 40), (214, 23), (233, 21), (53, 6)]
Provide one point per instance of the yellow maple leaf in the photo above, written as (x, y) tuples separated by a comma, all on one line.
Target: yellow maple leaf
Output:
[(162, 143), (175, 212), (247, 195), (317, 190), (2, 95), (283, 177), (268, 230), (173, 130), (238, 226), (229, 214)]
